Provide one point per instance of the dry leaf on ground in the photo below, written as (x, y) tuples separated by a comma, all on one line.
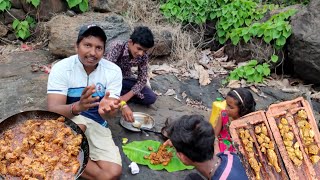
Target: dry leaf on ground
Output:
[(234, 84), (184, 95), (203, 75), (224, 91), (163, 69), (219, 53), (170, 92)]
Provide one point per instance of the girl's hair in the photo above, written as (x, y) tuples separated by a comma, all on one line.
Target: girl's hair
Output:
[(245, 100)]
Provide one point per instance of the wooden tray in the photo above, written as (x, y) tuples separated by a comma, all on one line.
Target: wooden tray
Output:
[(288, 109), (248, 122)]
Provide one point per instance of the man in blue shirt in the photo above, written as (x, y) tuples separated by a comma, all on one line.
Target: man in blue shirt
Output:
[(193, 138)]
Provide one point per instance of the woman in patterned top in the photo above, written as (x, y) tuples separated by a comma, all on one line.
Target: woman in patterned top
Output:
[(239, 103), (128, 54)]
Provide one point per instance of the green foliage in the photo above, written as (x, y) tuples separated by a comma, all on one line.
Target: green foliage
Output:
[(253, 72), (137, 149), (276, 29), (22, 28), (35, 3), (5, 5), (194, 11), (83, 4), (239, 13)]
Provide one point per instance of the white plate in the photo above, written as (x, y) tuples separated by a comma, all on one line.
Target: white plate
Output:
[(146, 120)]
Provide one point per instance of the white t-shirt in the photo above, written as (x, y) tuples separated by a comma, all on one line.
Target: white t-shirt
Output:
[(68, 77)]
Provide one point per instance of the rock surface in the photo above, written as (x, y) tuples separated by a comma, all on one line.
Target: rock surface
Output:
[(3, 30), (304, 43), (117, 6), (64, 32)]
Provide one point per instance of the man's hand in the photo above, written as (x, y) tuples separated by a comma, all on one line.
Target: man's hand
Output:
[(127, 114), (86, 100), (168, 143), (108, 105)]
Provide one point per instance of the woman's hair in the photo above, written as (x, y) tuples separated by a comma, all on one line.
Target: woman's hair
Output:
[(245, 100), (193, 136)]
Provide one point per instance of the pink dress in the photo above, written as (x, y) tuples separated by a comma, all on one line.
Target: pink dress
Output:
[(225, 141)]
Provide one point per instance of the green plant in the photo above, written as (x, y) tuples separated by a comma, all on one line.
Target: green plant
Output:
[(5, 5), (277, 28), (83, 4), (22, 28), (35, 3), (192, 11), (253, 72), (239, 13)]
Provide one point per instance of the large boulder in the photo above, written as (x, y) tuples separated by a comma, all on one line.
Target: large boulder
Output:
[(3, 30), (117, 6), (64, 31), (304, 43), (46, 9)]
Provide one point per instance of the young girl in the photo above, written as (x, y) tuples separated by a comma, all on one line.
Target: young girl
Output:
[(239, 103)]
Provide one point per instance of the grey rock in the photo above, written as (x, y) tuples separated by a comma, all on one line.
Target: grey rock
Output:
[(3, 30), (17, 13), (16, 4), (117, 6), (20, 88), (304, 43), (46, 9), (64, 30), (163, 43)]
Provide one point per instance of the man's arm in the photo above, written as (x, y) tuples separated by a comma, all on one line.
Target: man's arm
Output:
[(57, 103), (114, 51), (142, 80)]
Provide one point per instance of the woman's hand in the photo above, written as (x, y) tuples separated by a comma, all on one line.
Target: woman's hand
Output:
[(127, 113)]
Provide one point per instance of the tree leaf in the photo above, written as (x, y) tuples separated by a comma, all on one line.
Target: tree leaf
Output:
[(266, 71), (15, 23), (250, 71), (274, 58), (84, 6), (137, 149)]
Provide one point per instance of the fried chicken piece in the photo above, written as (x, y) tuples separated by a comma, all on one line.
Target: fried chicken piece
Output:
[(257, 129), (313, 149), (314, 159), (264, 130), (284, 121), (255, 166), (273, 159), (288, 143), (288, 136), (302, 114)]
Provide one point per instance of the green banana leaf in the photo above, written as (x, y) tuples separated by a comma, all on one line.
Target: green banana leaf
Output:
[(137, 149)]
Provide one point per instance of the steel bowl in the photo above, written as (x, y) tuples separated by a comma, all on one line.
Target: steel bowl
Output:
[(146, 121)]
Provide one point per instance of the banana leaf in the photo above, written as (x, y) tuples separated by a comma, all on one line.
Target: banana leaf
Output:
[(136, 150)]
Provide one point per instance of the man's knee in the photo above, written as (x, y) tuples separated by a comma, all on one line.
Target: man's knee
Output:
[(150, 99), (113, 172)]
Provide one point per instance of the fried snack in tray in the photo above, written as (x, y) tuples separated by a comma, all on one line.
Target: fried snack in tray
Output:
[(266, 145), (292, 148), (307, 135), (247, 141), (162, 156), (39, 149)]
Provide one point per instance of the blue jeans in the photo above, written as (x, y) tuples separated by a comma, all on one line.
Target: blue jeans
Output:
[(149, 96)]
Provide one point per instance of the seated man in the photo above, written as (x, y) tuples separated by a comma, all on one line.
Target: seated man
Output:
[(193, 139), (127, 54), (85, 88)]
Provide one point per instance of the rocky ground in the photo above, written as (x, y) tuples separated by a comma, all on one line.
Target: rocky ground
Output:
[(22, 89)]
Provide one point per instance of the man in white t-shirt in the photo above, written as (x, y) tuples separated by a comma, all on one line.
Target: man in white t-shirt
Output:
[(85, 88)]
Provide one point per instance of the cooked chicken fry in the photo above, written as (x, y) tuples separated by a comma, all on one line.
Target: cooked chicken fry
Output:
[(36, 148)]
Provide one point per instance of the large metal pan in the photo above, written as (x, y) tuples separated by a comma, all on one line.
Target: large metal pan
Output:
[(44, 115)]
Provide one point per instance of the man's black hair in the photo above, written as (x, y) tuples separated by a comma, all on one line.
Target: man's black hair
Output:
[(143, 36), (94, 31), (248, 105), (193, 136)]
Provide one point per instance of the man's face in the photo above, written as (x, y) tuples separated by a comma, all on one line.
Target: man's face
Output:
[(90, 51), (136, 49)]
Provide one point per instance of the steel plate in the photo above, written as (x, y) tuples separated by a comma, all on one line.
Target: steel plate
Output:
[(146, 120)]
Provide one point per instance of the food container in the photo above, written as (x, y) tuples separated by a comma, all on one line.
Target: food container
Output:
[(289, 110), (250, 122)]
